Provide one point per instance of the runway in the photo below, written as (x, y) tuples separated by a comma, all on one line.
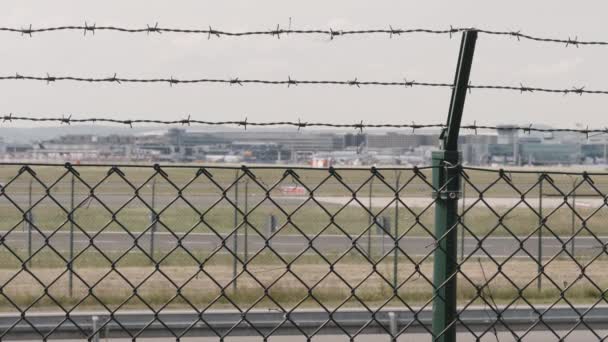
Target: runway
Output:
[(496, 246)]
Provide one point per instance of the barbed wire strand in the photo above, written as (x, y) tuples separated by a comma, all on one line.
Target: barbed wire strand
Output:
[(277, 31), (189, 121), (290, 81)]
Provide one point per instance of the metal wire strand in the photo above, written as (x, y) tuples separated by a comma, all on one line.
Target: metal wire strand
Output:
[(290, 81), (189, 121), (277, 32)]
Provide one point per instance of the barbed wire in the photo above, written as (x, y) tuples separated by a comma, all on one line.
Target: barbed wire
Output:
[(189, 121), (277, 31), (294, 82), (230, 81)]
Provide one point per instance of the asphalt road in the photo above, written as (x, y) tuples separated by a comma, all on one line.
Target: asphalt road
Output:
[(561, 322), (208, 198), (497, 247)]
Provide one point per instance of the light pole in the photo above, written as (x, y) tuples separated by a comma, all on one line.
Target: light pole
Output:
[(396, 236), (573, 214)]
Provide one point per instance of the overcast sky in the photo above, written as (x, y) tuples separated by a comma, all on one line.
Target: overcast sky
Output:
[(498, 60)]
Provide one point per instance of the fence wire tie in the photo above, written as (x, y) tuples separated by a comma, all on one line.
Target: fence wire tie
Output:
[(71, 169), (503, 174), (547, 177), (247, 171), (332, 171), (418, 173), (376, 173), (28, 169), (159, 170), (204, 171), (449, 165), (117, 170), (292, 173), (587, 177)]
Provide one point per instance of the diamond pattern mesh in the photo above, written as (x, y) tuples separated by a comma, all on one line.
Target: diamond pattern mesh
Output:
[(173, 251)]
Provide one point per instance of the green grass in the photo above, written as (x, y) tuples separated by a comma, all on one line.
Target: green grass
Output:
[(247, 298), (373, 292), (311, 219), (347, 182)]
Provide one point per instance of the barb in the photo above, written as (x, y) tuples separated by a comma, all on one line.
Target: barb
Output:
[(526, 89), (331, 33)]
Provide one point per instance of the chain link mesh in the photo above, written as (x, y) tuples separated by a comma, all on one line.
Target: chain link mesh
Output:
[(184, 251)]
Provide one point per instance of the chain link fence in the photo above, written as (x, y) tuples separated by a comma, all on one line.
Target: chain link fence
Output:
[(184, 251)]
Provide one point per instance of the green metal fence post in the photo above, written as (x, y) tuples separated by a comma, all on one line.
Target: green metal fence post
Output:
[(446, 181)]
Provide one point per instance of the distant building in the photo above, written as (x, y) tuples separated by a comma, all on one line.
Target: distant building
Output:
[(400, 141)]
